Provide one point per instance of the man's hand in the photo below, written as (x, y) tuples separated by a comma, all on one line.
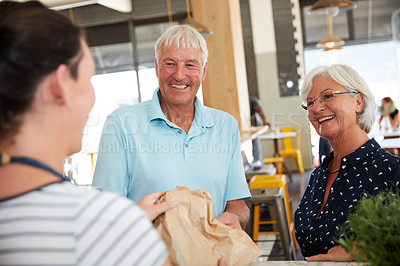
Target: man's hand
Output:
[(235, 210), (230, 220), (336, 253), (147, 203)]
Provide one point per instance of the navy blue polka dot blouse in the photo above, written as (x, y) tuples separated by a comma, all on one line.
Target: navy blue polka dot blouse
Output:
[(369, 169)]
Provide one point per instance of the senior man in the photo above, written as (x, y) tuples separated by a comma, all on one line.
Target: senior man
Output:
[(173, 140)]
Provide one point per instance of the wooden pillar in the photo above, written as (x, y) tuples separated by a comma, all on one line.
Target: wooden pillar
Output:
[(225, 87)]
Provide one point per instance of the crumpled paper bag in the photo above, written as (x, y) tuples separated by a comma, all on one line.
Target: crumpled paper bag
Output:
[(194, 237)]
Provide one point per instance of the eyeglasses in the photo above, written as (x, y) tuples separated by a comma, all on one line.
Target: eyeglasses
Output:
[(322, 98)]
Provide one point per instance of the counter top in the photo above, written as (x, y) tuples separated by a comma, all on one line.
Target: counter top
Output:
[(315, 263), (253, 133)]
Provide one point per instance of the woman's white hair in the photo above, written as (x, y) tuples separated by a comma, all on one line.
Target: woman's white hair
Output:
[(182, 36), (351, 80)]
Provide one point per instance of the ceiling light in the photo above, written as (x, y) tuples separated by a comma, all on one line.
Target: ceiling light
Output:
[(119, 5), (330, 42), (323, 6), (336, 48), (204, 30)]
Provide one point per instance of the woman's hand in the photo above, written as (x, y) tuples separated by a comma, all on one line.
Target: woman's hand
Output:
[(147, 203), (336, 253)]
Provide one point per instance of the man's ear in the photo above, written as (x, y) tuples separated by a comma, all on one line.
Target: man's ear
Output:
[(204, 72), (155, 61)]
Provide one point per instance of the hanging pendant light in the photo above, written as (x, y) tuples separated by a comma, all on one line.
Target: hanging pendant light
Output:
[(330, 42), (202, 29), (321, 6), (335, 48), (124, 6), (169, 12), (330, 8)]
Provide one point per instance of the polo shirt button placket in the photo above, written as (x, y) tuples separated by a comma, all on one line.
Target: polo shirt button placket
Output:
[(180, 131), (186, 145)]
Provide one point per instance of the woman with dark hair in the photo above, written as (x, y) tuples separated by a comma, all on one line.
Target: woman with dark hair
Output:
[(389, 110), (45, 98)]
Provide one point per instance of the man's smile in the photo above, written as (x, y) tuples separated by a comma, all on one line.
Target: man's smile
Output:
[(179, 87)]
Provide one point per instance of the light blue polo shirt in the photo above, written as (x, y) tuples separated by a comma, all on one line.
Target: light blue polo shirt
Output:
[(141, 152)]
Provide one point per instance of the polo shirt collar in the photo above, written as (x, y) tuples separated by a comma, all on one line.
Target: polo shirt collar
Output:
[(202, 117)]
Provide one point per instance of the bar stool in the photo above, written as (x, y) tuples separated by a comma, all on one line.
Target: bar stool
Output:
[(279, 165), (273, 181), (92, 155), (289, 149), (277, 161), (273, 198)]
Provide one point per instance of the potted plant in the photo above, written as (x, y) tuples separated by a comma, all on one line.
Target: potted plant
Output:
[(373, 229)]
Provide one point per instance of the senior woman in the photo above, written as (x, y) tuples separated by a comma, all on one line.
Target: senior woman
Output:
[(342, 109)]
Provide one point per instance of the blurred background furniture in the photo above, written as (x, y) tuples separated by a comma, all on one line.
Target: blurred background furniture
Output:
[(279, 164), (93, 159), (269, 219), (388, 139), (285, 225), (278, 159), (289, 150)]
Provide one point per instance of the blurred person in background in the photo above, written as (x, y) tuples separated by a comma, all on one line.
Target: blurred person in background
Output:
[(257, 114), (389, 111)]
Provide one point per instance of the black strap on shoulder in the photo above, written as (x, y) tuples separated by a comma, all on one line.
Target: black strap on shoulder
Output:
[(7, 159)]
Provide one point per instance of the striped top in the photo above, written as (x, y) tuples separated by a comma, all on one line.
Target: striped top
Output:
[(61, 224)]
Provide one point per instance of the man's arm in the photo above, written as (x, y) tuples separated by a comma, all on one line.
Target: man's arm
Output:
[(111, 171), (236, 214), (260, 111)]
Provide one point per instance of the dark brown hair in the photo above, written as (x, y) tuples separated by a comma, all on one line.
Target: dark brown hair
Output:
[(34, 41)]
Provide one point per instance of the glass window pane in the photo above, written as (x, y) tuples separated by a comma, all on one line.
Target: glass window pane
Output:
[(148, 83), (373, 18), (113, 57), (146, 37), (112, 90)]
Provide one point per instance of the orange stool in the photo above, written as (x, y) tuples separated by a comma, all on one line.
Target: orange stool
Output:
[(273, 181), (279, 164), (289, 149), (277, 161), (92, 155)]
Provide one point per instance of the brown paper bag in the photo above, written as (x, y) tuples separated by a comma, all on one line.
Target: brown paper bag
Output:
[(194, 237)]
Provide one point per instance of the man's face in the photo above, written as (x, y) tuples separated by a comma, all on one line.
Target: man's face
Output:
[(180, 72)]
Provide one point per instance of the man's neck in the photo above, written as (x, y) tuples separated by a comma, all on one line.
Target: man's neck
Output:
[(182, 117)]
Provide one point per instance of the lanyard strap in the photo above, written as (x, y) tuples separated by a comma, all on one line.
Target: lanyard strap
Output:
[(6, 159)]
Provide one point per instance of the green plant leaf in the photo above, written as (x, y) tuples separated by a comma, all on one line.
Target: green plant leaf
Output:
[(373, 230)]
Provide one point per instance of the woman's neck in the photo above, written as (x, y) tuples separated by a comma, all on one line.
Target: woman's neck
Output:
[(39, 146), (345, 145)]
